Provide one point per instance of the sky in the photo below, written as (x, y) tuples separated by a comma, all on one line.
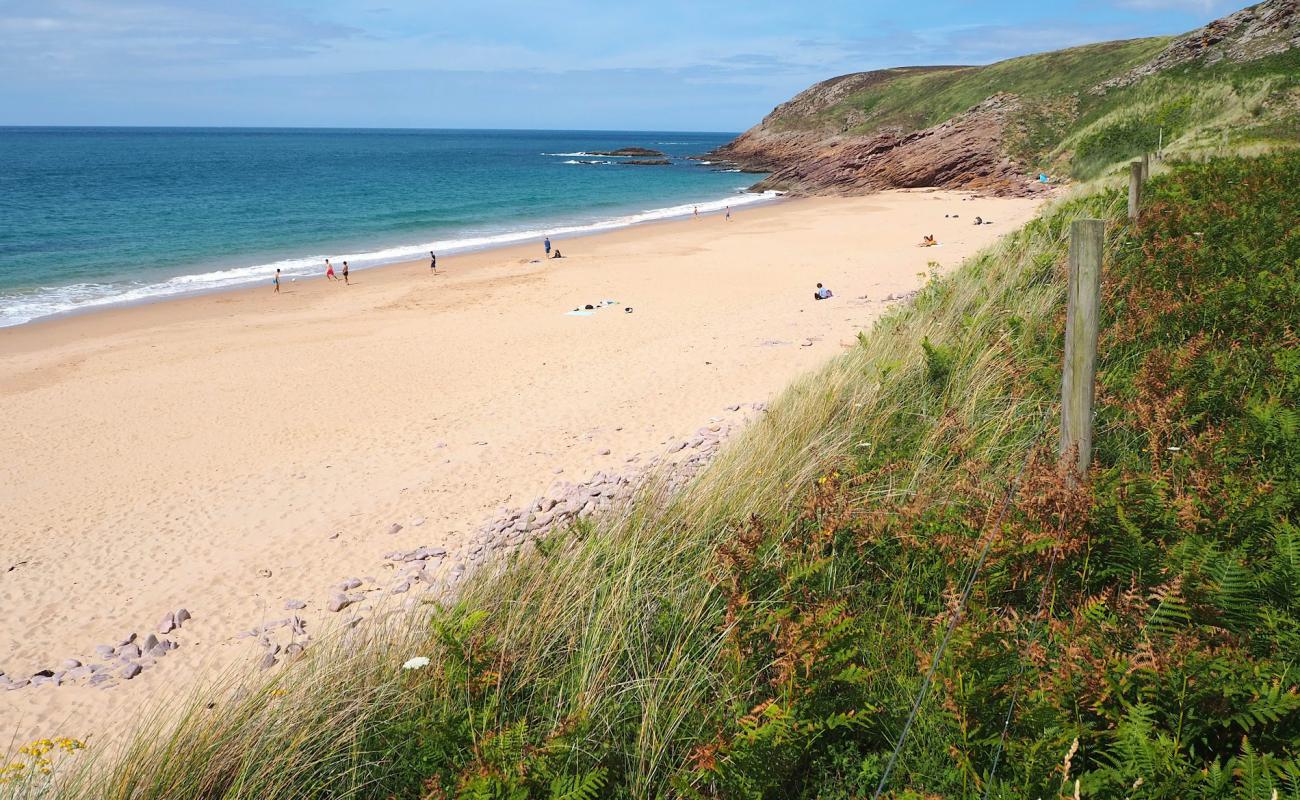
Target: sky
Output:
[(697, 65)]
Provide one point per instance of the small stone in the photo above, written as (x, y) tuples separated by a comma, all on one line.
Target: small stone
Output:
[(265, 573), (40, 680), (158, 651), (168, 623), (293, 649), (129, 638), (401, 588), (294, 605), (68, 663), (417, 522), (17, 684), (129, 651), (394, 528), (128, 672), (604, 452), (77, 673), (338, 602), (150, 642), (182, 616), (268, 661), (349, 584)]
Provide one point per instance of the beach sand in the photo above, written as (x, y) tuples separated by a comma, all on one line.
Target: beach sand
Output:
[(228, 452)]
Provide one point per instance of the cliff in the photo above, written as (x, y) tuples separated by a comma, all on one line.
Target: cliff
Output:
[(1073, 113)]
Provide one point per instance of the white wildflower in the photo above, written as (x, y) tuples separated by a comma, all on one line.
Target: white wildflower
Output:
[(418, 662)]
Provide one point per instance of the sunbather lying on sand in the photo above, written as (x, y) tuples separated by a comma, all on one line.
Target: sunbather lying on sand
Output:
[(928, 241)]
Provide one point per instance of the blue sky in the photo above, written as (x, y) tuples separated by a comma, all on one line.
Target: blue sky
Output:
[(600, 64)]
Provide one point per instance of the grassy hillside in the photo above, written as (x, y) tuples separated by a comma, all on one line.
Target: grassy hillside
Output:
[(1075, 113), (915, 99), (764, 634)]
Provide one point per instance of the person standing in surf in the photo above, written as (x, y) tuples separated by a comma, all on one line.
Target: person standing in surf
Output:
[(276, 280), (345, 273), (547, 244), (433, 263)]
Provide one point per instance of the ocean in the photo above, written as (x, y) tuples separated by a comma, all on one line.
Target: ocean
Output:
[(91, 217)]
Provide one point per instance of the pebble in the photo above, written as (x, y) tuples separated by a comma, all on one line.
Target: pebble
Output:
[(68, 663), (268, 661), (394, 528), (168, 623), (294, 605), (182, 616), (129, 638), (338, 602), (129, 671)]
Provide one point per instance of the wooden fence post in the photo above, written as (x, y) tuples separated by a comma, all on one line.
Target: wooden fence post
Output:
[(1146, 167), (1134, 188), (1087, 240)]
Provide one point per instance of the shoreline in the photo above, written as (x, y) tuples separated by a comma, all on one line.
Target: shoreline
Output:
[(236, 452), (296, 267)]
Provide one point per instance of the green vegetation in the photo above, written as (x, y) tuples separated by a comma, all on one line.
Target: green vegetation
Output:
[(1066, 123), (764, 633), (915, 99)]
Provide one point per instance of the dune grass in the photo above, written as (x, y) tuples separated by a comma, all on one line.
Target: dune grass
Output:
[(762, 633)]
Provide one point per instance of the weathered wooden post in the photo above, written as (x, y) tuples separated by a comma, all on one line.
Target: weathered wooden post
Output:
[(1134, 188), (1087, 239), (1146, 167)]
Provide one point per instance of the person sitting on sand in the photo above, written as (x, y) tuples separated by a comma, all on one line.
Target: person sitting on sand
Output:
[(557, 254), (979, 220), (822, 293), (928, 240), (329, 271)]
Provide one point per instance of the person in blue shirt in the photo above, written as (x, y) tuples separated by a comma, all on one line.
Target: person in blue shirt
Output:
[(547, 245), (822, 293)]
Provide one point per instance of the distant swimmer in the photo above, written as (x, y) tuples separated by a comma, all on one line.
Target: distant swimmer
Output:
[(547, 245), (277, 281), (433, 263), (345, 273), (822, 293), (329, 271)]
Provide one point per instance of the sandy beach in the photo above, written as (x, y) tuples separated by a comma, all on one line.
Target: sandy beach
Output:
[(231, 452)]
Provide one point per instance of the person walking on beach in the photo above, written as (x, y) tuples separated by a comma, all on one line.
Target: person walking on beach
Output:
[(433, 263), (345, 273), (329, 271), (728, 213), (276, 281), (697, 211), (547, 245)]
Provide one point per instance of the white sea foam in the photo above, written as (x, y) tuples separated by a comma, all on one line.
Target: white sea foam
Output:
[(17, 308)]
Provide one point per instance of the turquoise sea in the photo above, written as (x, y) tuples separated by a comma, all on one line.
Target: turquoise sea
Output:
[(99, 216)]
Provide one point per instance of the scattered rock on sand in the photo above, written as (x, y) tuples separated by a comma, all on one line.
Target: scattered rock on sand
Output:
[(129, 671), (294, 605), (168, 623), (182, 617), (394, 528), (338, 602)]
